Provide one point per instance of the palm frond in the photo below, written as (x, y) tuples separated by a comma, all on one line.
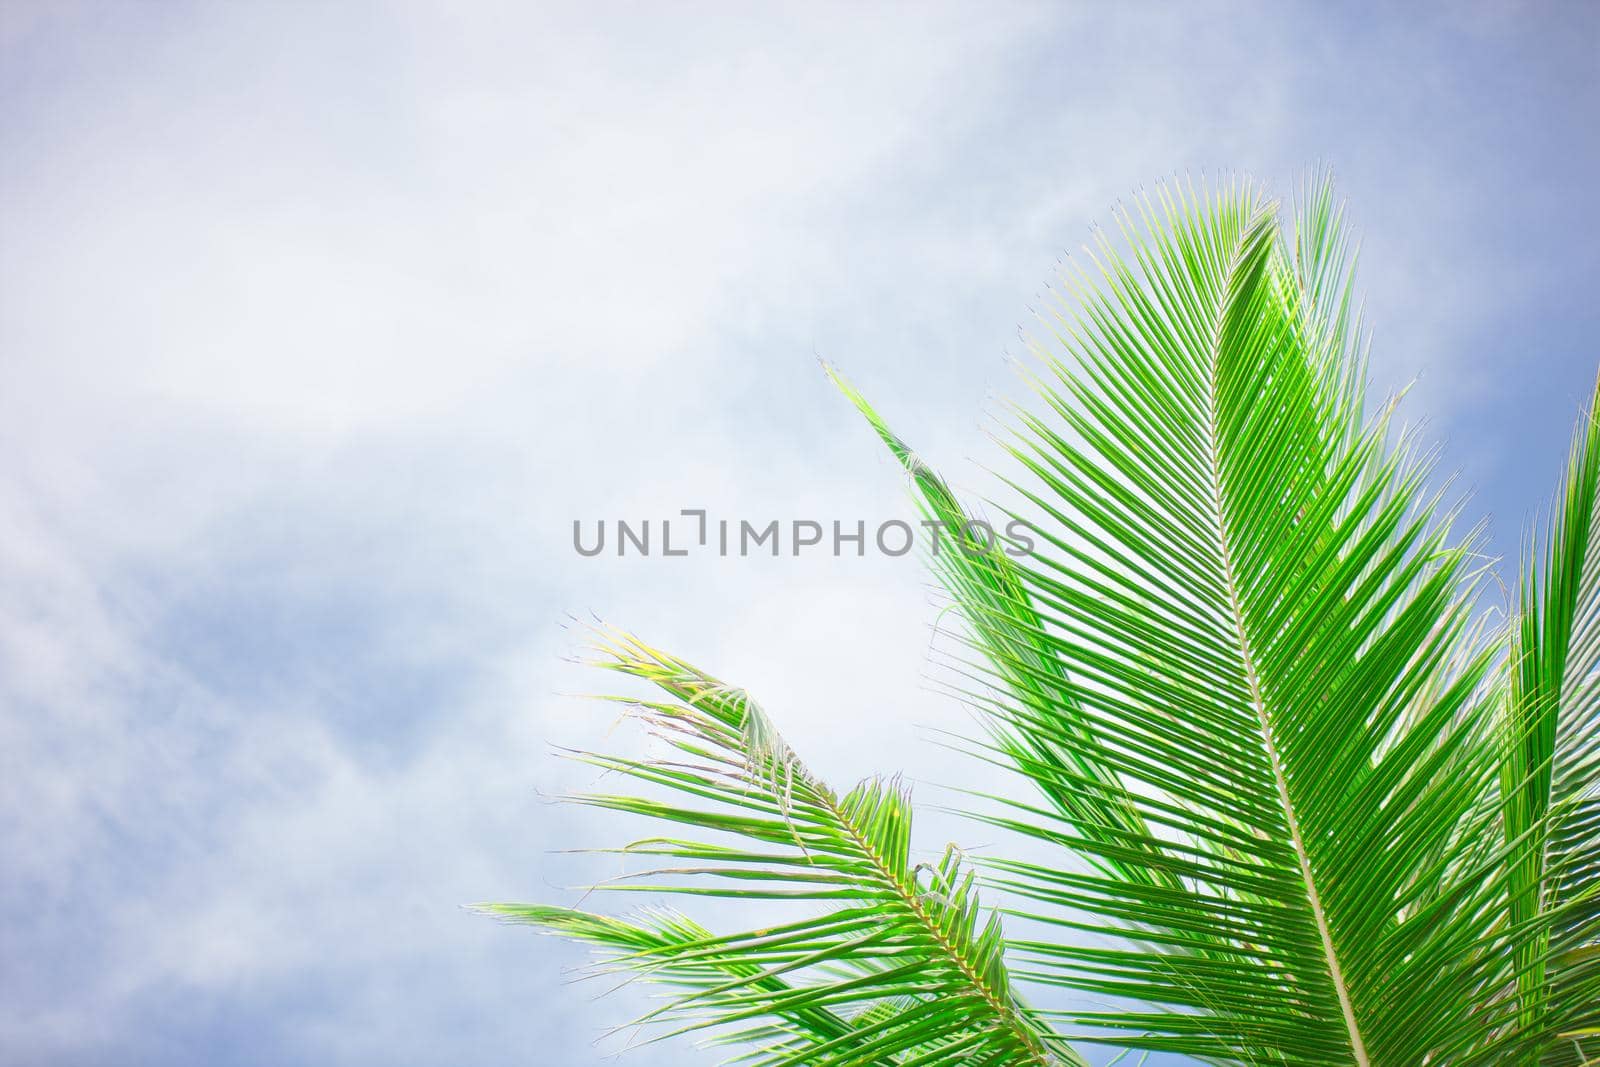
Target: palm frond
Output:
[(1551, 770), (903, 967), (1251, 617)]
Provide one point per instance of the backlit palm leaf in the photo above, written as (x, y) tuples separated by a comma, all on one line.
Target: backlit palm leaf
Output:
[(1285, 798), (902, 967), (1261, 623), (1551, 770)]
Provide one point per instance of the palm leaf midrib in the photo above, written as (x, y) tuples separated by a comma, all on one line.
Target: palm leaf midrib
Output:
[(1002, 1008), (1261, 227), (998, 1003)]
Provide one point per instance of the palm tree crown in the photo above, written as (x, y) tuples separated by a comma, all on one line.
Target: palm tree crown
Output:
[(1286, 794)]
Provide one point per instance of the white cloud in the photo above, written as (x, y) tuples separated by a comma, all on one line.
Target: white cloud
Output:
[(318, 329)]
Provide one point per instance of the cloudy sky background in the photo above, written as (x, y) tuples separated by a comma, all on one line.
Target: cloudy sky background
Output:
[(319, 324)]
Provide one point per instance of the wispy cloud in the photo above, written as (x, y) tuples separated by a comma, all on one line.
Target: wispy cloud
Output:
[(318, 328)]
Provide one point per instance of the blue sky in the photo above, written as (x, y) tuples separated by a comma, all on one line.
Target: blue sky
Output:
[(319, 325)]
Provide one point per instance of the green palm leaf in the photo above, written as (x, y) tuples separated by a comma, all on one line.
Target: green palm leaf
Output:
[(903, 967), (1262, 627), (1284, 796), (1551, 770)]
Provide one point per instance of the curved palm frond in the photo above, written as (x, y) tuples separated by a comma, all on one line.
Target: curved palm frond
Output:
[(904, 968)]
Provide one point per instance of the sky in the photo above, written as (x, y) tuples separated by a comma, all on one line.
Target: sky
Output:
[(321, 324)]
